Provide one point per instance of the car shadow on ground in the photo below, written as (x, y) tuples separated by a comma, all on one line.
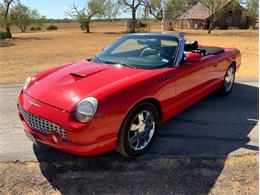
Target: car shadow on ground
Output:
[(211, 130)]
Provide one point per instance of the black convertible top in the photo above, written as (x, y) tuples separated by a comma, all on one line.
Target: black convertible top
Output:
[(211, 50), (193, 46)]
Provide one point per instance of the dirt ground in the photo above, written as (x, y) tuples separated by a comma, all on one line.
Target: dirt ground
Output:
[(32, 52), (154, 176)]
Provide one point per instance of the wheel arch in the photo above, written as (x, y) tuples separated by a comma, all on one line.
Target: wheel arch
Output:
[(233, 63), (156, 103), (151, 100)]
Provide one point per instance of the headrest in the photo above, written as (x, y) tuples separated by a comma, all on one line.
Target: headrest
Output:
[(192, 45), (154, 43)]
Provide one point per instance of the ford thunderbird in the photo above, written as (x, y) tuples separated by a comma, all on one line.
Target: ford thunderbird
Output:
[(118, 99)]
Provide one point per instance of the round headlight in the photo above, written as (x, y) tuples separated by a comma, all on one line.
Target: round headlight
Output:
[(26, 83), (86, 109)]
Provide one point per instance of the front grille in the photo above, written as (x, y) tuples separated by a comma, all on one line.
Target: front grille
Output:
[(41, 125)]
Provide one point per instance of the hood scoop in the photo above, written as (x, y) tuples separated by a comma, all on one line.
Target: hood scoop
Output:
[(86, 72), (77, 75)]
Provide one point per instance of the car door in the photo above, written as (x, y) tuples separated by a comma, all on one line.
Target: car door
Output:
[(192, 79), (216, 64), (222, 65)]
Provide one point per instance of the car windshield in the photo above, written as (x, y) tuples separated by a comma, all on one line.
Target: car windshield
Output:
[(141, 51)]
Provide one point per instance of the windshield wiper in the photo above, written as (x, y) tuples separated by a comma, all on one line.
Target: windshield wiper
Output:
[(115, 62), (124, 64)]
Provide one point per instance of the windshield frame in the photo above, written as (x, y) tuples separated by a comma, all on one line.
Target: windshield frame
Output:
[(172, 62)]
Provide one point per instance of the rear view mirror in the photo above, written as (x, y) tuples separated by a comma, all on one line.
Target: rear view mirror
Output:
[(193, 57)]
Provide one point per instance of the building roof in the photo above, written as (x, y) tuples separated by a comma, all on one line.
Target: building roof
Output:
[(199, 12)]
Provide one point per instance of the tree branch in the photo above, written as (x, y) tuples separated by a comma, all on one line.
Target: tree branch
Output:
[(74, 11)]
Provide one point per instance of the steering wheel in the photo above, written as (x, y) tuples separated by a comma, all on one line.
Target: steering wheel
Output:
[(148, 51)]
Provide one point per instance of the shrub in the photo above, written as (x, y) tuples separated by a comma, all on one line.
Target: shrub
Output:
[(233, 28), (35, 28), (52, 27), (3, 35)]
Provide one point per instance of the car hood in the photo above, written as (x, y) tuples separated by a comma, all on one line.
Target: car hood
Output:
[(64, 87)]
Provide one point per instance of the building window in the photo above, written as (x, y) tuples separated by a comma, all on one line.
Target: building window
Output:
[(230, 13)]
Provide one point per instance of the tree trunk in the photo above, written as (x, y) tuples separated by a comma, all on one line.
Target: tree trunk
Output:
[(8, 31), (22, 29), (82, 27), (7, 26), (133, 22), (87, 26), (210, 29), (211, 24)]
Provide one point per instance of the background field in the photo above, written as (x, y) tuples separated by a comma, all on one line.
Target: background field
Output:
[(32, 52)]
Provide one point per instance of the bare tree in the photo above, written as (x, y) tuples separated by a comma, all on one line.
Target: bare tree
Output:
[(94, 8), (214, 8), (5, 15), (155, 8), (179, 7), (133, 5), (252, 7)]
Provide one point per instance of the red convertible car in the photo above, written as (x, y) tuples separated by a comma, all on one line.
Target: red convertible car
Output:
[(118, 99)]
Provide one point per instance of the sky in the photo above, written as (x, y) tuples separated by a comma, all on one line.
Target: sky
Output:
[(56, 8)]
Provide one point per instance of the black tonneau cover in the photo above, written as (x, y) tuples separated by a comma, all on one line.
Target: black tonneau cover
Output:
[(211, 50)]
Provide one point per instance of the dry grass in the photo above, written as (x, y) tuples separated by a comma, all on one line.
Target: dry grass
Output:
[(235, 175), (29, 53)]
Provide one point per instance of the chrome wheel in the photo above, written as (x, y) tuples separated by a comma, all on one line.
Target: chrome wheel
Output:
[(141, 130), (229, 79)]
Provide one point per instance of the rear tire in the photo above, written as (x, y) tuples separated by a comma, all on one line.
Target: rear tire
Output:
[(138, 130), (229, 81)]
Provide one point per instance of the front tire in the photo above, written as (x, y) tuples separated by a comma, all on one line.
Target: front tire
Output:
[(138, 130), (229, 81)]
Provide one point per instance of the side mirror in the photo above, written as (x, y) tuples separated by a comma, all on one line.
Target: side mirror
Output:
[(193, 57)]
